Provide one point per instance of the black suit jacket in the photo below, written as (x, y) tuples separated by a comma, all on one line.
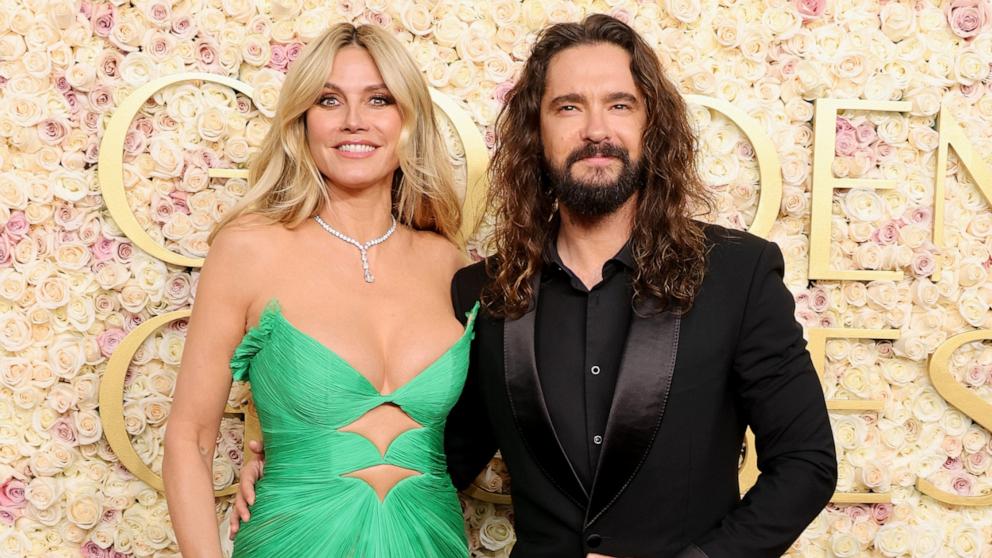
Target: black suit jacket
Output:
[(666, 484)]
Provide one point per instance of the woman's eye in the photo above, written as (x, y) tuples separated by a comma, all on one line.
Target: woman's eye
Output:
[(381, 100), (328, 101)]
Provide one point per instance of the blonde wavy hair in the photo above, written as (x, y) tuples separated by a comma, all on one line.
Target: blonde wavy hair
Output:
[(285, 184)]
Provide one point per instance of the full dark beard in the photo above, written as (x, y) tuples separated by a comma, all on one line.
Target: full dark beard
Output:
[(601, 195)]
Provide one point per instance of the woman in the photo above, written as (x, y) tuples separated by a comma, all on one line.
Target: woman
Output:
[(329, 285)]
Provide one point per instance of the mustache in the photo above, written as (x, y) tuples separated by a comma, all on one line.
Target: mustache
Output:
[(597, 150)]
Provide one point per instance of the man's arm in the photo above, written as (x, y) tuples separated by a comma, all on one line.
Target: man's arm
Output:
[(785, 408), (469, 442)]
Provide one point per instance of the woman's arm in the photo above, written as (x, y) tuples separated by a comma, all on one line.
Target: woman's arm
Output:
[(216, 327)]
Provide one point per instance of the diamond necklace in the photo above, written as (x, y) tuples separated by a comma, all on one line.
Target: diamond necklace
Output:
[(363, 249)]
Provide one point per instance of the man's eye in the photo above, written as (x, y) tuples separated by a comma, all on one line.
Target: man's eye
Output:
[(621, 106), (567, 108)]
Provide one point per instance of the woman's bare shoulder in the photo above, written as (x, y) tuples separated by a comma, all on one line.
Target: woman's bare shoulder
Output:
[(441, 251)]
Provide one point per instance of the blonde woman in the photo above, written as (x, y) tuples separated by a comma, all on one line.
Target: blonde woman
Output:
[(328, 289)]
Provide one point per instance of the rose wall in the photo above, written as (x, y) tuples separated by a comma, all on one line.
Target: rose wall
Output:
[(72, 285)]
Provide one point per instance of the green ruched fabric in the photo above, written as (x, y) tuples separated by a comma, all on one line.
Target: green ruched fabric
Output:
[(305, 506)]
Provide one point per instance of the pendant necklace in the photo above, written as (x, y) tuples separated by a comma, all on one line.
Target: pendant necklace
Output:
[(363, 249)]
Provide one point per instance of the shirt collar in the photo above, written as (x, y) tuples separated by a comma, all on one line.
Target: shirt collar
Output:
[(625, 256)]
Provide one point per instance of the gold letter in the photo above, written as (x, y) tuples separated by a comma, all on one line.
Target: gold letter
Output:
[(824, 183), (769, 166), (817, 350), (961, 397), (952, 135), (111, 162)]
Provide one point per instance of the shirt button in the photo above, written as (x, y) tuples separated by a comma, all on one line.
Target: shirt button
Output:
[(597, 439), (594, 370)]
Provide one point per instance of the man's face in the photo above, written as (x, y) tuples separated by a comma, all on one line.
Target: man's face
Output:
[(592, 122)]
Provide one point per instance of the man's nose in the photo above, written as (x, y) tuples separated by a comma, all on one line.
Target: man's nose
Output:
[(596, 130)]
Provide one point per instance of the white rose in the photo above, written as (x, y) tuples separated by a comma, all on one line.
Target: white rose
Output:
[(844, 545), (496, 532), (42, 492), (863, 205), (83, 508)]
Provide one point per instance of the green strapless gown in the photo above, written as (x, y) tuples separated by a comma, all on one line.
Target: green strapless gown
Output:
[(305, 506)]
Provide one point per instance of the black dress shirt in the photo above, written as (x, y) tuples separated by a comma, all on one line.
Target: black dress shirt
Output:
[(579, 341)]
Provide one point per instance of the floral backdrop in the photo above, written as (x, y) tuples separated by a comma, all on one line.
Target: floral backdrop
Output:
[(72, 285)]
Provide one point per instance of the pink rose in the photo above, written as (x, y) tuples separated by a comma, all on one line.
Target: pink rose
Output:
[(502, 90), (17, 226), (976, 376), (858, 512), (919, 215), (158, 12), (881, 512), (93, 550), (953, 464), (9, 516), (62, 85), (72, 102), (843, 125), (109, 63), (206, 159), (52, 131), (134, 142), (923, 263), (865, 132), (12, 494), (962, 485), (109, 339), (887, 234), (101, 98), (967, 18), (293, 51), (277, 59), (103, 249), (132, 321), (125, 251), (379, 19), (179, 201), (183, 28), (819, 300), (64, 431), (880, 150), (206, 53), (90, 121), (86, 8), (846, 143), (91, 154), (242, 104), (490, 138), (102, 19), (810, 9)]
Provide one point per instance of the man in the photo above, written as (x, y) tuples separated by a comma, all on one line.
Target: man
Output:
[(623, 347)]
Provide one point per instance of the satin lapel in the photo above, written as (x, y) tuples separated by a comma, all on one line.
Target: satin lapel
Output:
[(523, 387), (638, 406)]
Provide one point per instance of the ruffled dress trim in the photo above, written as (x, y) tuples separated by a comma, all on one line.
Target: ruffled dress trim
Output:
[(253, 341)]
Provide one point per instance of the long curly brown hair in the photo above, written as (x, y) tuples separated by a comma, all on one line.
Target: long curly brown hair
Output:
[(668, 245)]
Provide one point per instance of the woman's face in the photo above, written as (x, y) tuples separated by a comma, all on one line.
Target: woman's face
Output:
[(354, 127)]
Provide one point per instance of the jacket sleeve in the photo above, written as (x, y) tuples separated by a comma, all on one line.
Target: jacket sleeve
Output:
[(469, 442), (783, 401)]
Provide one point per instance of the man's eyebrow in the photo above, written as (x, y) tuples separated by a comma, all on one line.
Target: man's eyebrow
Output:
[(621, 96), (568, 98), (373, 87), (610, 98)]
